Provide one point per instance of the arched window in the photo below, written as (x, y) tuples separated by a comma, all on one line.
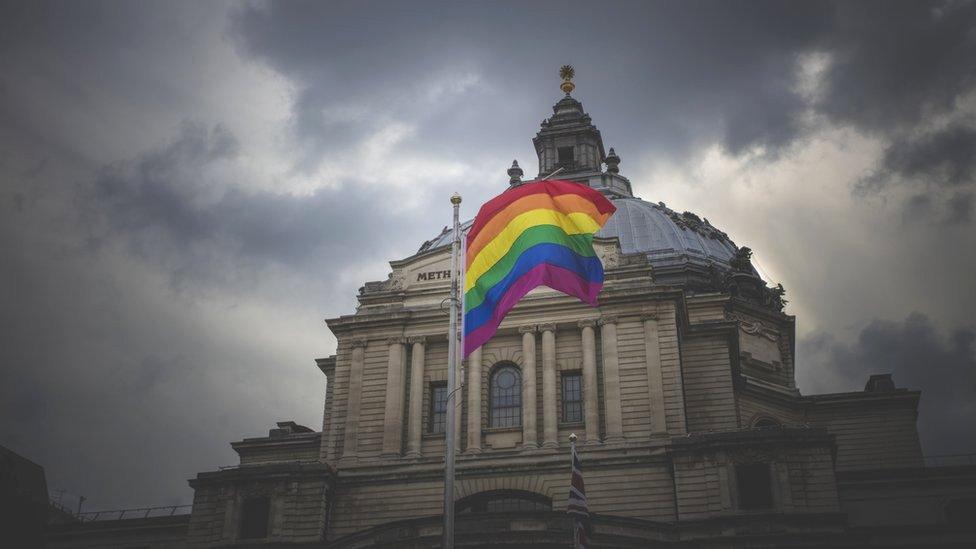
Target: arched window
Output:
[(500, 501), (505, 388), (764, 421)]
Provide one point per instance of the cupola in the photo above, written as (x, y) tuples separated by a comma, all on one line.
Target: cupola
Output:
[(568, 139)]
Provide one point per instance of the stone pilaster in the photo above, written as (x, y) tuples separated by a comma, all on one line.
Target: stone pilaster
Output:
[(474, 401), (393, 415), (549, 414), (655, 380), (611, 379), (415, 420), (591, 404), (530, 436), (350, 438)]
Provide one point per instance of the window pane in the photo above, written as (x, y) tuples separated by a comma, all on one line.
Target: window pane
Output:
[(438, 408), (754, 486), (506, 397), (504, 500), (572, 398), (254, 517), (565, 155)]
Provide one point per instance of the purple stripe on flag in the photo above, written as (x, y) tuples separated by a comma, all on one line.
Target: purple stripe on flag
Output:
[(544, 274)]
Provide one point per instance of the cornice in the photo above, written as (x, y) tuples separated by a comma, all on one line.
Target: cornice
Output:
[(266, 472), (327, 365)]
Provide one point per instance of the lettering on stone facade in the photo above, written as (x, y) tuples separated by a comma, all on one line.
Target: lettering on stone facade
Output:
[(433, 275)]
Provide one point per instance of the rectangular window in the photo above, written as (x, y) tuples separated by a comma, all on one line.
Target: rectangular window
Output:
[(572, 397), (255, 513), (438, 407), (754, 486)]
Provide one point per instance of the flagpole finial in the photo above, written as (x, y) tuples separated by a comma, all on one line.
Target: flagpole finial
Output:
[(455, 199), (567, 72), (572, 437)]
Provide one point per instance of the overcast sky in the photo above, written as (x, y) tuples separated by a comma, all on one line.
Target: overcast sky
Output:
[(188, 189)]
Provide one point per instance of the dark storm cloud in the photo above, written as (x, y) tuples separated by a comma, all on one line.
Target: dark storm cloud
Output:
[(943, 158), (894, 66), (725, 65), (919, 356), (166, 207), (941, 164), (896, 62), (731, 66)]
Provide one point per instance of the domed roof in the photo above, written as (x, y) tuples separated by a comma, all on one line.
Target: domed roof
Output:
[(667, 237), (671, 241)]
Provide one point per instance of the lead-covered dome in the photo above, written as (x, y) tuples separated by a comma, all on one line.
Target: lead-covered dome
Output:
[(676, 244)]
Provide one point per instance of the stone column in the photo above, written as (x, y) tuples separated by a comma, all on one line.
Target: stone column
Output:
[(655, 381), (591, 403), (350, 438), (415, 421), (549, 415), (474, 401), (530, 437), (393, 415), (611, 379)]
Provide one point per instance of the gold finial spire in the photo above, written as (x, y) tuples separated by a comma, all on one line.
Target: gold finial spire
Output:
[(566, 72)]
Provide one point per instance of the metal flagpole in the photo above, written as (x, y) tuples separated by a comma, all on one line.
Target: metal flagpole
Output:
[(454, 336), (572, 468), (452, 353)]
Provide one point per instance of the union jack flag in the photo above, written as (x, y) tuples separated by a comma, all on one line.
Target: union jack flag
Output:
[(577, 506)]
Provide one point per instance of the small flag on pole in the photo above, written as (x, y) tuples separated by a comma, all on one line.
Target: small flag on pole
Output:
[(537, 234), (577, 507)]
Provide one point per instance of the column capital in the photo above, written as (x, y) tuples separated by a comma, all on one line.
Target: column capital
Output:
[(608, 319), (648, 315), (398, 340), (528, 329), (359, 343), (547, 327), (417, 339), (587, 323)]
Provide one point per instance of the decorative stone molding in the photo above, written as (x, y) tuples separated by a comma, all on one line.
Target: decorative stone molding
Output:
[(359, 343), (648, 314), (608, 319), (609, 256), (398, 279), (751, 455), (395, 340), (756, 328), (587, 323), (548, 327), (417, 339), (529, 329)]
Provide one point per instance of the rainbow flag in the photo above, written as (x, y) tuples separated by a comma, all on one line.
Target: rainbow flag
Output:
[(537, 234)]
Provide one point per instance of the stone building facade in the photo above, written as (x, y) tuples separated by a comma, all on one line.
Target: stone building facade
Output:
[(680, 386)]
